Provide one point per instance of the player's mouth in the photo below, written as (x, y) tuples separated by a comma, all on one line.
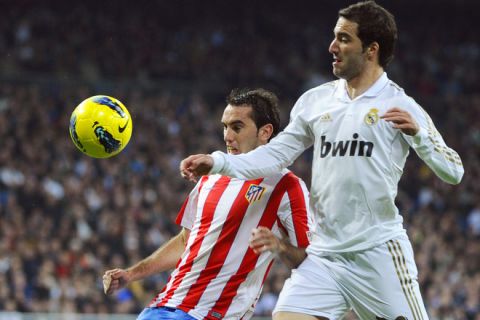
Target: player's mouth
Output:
[(232, 150), (336, 61)]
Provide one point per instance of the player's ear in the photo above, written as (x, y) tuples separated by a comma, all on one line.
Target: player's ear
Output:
[(373, 50), (265, 132)]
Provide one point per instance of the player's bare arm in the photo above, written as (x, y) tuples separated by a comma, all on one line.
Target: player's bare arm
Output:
[(263, 239), (402, 120), (195, 166), (164, 258)]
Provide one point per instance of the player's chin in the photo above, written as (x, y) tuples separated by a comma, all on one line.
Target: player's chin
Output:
[(337, 72)]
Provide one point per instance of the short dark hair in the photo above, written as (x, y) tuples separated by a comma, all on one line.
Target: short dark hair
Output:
[(264, 106), (375, 24)]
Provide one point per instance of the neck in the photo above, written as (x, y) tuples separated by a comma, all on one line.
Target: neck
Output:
[(359, 84)]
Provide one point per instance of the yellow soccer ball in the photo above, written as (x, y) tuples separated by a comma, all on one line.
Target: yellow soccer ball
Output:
[(100, 126)]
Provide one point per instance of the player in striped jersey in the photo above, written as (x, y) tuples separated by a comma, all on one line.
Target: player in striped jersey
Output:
[(232, 228), (361, 127)]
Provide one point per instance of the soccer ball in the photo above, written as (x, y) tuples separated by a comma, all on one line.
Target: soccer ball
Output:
[(100, 126)]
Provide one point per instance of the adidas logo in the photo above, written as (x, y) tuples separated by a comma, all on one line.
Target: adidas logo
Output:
[(326, 117)]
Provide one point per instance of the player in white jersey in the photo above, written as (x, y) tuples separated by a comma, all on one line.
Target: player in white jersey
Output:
[(361, 128), (218, 275)]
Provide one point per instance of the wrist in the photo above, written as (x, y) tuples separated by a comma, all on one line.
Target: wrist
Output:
[(130, 275), (420, 136), (281, 247), (218, 162)]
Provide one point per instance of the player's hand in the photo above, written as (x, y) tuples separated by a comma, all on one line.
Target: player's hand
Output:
[(402, 120), (114, 279), (195, 166), (263, 239)]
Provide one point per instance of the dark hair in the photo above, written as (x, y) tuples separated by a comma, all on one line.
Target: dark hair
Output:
[(375, 24), (264, 106)]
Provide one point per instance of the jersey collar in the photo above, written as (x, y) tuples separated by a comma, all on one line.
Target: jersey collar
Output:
[(342, 94)]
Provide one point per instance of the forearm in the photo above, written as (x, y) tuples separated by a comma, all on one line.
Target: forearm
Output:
[(290, 255), (163, 259), (263, 161), (444, 161)]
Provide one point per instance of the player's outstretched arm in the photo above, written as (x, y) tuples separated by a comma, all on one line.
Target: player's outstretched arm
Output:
[(195, 166), (164, 258), (263, 239)]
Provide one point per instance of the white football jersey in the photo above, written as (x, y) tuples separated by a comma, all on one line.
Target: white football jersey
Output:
[(357, 163), (218, 275)]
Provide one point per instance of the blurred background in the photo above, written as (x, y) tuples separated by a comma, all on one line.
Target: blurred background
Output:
[(66, 218)]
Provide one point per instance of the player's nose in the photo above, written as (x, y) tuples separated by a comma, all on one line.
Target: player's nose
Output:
[(228, 135), (333, 48)]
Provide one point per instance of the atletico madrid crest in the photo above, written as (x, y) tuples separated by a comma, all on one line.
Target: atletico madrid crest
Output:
[(254, 193)]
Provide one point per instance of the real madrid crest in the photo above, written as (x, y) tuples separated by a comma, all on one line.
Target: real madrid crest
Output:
[(371, 117)]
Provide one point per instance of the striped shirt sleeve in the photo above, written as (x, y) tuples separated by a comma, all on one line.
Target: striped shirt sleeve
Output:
[(294, 213)]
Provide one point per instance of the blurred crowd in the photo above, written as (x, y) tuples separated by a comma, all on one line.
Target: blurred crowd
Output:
[(66, 218)]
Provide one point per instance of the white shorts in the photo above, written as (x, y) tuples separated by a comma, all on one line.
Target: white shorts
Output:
[(379, 283)]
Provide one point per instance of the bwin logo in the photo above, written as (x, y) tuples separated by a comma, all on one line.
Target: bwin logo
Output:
[(346, 148)]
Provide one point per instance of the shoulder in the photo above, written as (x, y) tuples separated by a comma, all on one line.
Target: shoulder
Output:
[(284, 180), (291, 179), (397, 96), (320, 91), (398, 93), (315, 96), (211, 181)]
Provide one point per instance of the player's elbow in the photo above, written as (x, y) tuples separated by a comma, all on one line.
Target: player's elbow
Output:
[(458, 178), (455, 177)]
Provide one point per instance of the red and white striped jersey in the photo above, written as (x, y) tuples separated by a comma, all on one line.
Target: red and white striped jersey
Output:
[(218, 275)]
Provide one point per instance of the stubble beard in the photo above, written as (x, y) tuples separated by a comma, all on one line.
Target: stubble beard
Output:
[(350, 70)]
